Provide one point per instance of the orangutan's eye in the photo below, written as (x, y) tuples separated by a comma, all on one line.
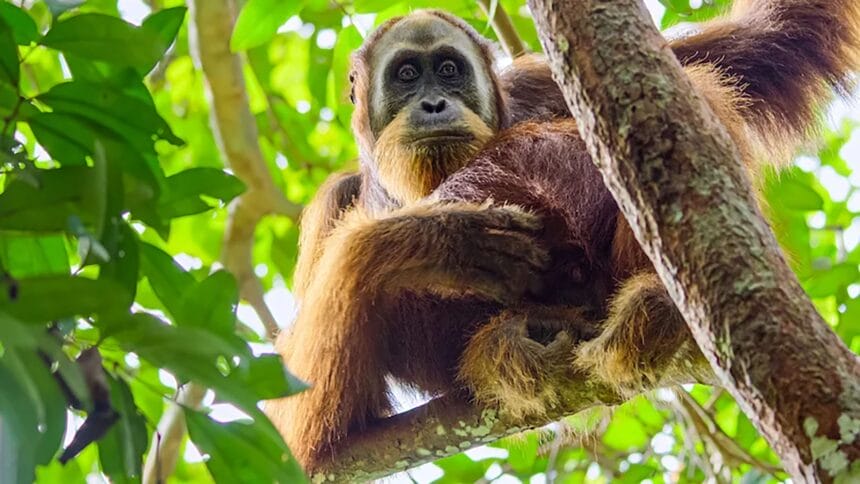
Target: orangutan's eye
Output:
[(448, 69), (407, 72)]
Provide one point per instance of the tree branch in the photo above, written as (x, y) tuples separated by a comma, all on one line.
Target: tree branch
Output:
[(443, 427), (235, 131), (679, 181), (504, 29)]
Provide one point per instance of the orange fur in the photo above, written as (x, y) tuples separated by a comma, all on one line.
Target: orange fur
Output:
[(378, 284), (336, 195), (410, 171), (363, 258)]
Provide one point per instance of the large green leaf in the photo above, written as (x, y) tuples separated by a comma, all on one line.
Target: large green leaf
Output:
[(165, 24), (107, 108), (32, 255), (220, 362), (211, 304), (19, 21), (242, 451), (10, 71), (121, 242), (183, 191), (259, 21), (121, 450), (167, 278), (67, 138), (106, 38), (49, 298), (32, 415), (58, 195)]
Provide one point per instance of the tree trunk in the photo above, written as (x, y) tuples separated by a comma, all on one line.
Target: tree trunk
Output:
[(679, 181)]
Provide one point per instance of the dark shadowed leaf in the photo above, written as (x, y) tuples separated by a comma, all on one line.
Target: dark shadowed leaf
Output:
[(121, 449), (106, 38), (59, 194), (68, 139), (121, 242), (32, 412), (9, 68), (23, 27)]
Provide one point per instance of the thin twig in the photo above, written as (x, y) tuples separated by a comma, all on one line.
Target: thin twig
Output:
[(504, 28)]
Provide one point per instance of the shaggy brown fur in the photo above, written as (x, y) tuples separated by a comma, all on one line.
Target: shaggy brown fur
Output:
[(336, 195), (454, 292)]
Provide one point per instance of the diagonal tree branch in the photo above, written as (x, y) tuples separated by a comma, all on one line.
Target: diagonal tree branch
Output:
[(235, 131), (443, 427), (504, 28), (701, 228)]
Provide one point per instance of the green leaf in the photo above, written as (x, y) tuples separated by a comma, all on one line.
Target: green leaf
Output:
[(373, 6), (211, 304), (183, 191), (318, 69), (168, 280), (68, 139), (31, 255), (259, 21), (9, 98), (523, 453), (13, 333), (637, 473), (348, 40), (625, 432), (209, 360), (849, 321), (107, 108), (23, 27), (796, 195), (242, 452), (460, 468), (828, 282), (121, 242), (42, 299), (10, 72), (121, 450), (59, 195), (32, 415), (267, 377), (165, 25), (106, 38)]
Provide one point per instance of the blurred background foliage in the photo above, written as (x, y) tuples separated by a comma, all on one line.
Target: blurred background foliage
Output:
[(112, 217)]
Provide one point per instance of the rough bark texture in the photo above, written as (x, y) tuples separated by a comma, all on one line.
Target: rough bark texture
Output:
[(443, 427), (679, 181)]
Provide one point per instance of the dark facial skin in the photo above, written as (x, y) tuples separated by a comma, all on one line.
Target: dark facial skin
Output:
[(431, 72)]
